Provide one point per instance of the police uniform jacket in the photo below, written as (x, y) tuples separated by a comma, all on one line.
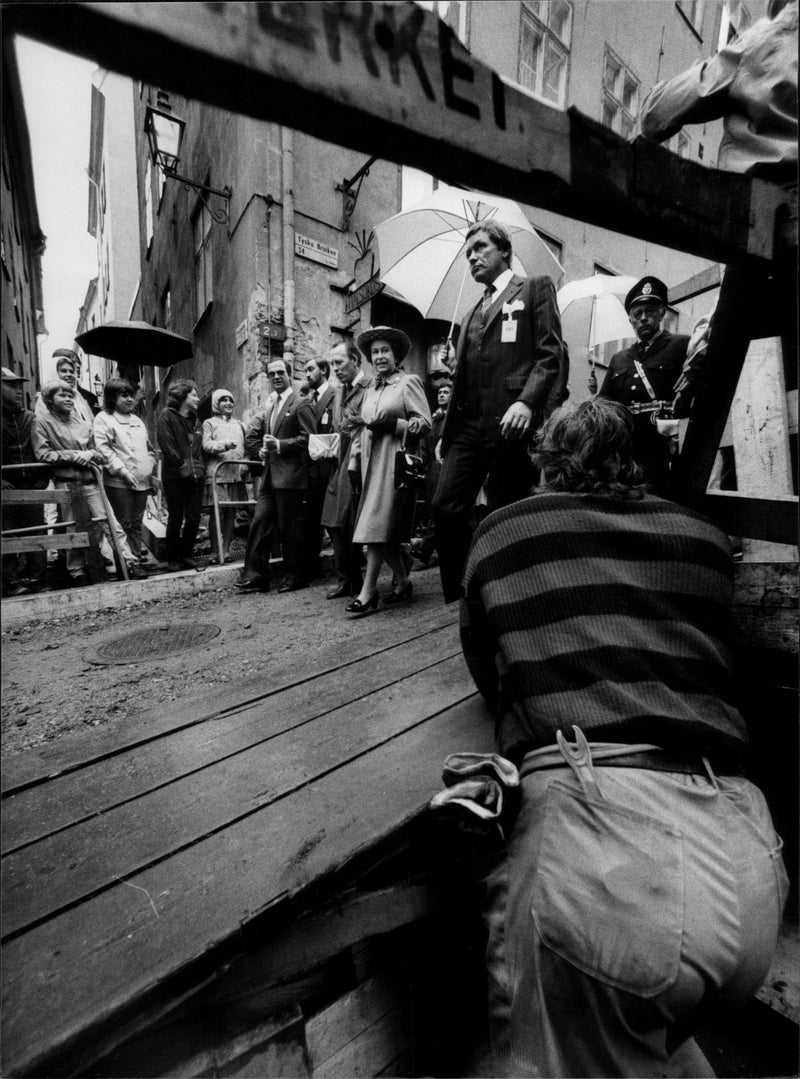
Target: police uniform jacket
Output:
[(662, 364)]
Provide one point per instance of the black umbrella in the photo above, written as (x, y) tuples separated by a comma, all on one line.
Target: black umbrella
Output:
[(136, 342)]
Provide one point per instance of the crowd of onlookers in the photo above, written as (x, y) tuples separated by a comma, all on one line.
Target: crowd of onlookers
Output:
[(292, 475)]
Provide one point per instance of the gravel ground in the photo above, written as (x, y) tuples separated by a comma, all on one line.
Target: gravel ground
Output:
[(51, 688)]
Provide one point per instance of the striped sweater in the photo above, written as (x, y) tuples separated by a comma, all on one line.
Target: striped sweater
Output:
[(612, 614)]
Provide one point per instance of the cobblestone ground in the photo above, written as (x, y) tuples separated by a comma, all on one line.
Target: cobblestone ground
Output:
[(52, 685)]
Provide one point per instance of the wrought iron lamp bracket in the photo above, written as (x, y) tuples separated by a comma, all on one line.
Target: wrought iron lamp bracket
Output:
[(350, 191)]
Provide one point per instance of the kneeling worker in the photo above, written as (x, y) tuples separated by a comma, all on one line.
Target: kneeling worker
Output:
[(643, 879)]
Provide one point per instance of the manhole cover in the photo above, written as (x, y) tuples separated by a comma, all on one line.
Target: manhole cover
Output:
[(153, 642)]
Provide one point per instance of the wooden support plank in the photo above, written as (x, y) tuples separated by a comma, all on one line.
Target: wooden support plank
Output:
[(48, 808), (45, 763), (361, 1033), (104, 958), (67, 867), (695, 286), (341, 1023), (71, 542), (773, 519), (47, 497), (10, 533), (394, 81)]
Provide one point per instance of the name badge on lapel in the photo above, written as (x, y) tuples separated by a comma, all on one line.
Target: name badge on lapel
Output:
[(508, 330)]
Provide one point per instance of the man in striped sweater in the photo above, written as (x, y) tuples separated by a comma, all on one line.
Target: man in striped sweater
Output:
[(643, 878)]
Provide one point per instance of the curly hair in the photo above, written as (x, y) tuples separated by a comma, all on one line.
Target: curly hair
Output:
[(587, 448)]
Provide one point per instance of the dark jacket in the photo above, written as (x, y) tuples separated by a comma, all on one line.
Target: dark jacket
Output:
[(287, 468), (180, 441), (18, 450), (526, 369), (662, 364)]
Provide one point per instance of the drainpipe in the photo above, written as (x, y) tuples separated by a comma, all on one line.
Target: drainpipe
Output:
[(287, 197)]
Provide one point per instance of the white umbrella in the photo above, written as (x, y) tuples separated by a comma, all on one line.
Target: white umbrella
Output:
[(422, 250), (592, 312)]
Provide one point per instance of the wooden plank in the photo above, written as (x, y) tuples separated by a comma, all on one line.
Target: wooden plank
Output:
[(47, 497), (78, 974), (394, 81), (696, 285), (332, 1029), (45, 763), (773, 519), (64, 869), (48, 808), (374, 1046), (72, 541)]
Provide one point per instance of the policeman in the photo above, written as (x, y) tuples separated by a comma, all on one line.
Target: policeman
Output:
[(643, 377)]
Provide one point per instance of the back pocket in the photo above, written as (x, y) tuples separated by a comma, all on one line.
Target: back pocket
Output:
[(608, 891)]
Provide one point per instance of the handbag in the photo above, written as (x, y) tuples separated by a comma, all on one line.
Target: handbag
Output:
[(409, 471)]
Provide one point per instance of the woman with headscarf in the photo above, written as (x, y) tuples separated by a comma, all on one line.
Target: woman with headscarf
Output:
[(223, 440), (395, 414)]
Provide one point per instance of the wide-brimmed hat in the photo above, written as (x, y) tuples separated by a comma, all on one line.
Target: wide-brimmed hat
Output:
[(648, 288), (396, 338), (9, 376)]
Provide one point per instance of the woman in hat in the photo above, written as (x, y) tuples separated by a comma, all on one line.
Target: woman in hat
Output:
[(395, 414), (223, 440)]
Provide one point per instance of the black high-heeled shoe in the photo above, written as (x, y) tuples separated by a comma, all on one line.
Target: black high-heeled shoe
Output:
[(405, 595), (359, 609)]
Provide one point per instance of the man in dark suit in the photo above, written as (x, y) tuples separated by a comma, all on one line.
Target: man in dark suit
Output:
[(509, 358), (339, 512), (321, 394), (643, 378), (279, 437)]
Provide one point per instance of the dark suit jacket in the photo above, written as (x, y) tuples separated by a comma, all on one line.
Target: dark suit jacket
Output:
[(523, 370), (319, 472), (287, 469), (662, 364)]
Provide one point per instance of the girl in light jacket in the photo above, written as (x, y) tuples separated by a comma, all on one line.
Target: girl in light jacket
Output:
[(128, 459)]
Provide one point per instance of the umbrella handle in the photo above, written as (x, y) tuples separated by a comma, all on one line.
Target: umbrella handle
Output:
[(458, 303)]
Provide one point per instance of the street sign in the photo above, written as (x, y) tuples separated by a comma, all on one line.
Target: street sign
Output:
[(307, 248), (364, 292)]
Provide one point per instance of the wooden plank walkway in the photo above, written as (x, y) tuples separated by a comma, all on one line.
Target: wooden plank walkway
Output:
[(153, 849)]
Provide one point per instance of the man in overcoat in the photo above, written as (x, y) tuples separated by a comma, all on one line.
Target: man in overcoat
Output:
[(339, 512), (509, 357), (643, 376), (279, 437)]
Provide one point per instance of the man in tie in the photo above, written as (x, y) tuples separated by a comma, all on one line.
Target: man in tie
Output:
[(642, 377), (509, 358), (321, 395), (339, 511), (278, 437)]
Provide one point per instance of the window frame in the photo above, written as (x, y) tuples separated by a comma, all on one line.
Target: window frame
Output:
[(615, 96), (203, 255), (551, 41)]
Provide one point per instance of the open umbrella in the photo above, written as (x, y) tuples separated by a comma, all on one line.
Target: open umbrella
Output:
[(592, 313), (422, 250), (136, 342)]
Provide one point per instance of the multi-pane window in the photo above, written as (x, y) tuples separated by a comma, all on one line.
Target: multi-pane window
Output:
[(620, 95), (203, 267), (682, 144), (545, 37)]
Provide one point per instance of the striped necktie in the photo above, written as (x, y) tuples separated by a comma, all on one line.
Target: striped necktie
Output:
[(486, 303)]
